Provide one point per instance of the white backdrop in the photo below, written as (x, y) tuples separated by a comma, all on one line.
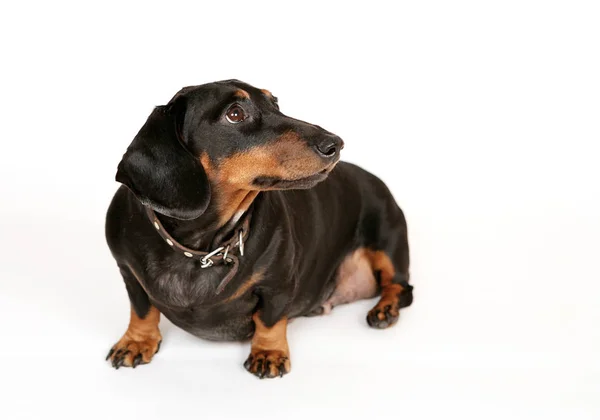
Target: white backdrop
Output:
[(482, 117)]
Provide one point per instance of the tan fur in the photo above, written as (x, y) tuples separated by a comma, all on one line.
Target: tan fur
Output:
[(287, 157), (244, 287), (389, 297), (381, 262), (390, 292), (242, 94), (142, 337), (270, 346)]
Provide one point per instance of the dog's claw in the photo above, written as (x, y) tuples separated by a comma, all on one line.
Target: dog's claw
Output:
[(136, 360), (248, 363), (281, 369), (119, 362), (259, 369)]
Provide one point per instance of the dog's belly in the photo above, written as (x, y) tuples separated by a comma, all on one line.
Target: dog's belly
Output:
[(354, 281)]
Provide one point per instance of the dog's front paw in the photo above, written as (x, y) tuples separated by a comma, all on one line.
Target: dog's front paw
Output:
[(131, 352), (383, 315), (268, 363)]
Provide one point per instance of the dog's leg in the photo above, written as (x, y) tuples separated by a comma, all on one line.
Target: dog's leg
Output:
[(270, 355), (396, 293), (142, 338)]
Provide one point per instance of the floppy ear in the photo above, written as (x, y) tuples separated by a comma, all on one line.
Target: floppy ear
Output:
[(161, 172)]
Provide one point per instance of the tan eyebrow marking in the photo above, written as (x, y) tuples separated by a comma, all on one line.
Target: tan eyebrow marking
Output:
[(241, 93), (268, 93)]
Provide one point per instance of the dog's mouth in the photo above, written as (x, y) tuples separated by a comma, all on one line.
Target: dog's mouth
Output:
[(275, 183)]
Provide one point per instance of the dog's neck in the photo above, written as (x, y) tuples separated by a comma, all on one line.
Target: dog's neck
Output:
[(223, 214)]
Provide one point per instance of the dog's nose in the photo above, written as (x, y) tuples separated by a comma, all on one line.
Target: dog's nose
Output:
[(329, 146)]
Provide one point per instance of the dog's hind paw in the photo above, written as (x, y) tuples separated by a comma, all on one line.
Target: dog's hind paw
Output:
[(383, 316)]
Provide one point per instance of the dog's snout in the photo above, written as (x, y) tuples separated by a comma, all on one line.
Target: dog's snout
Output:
[(329, 146)]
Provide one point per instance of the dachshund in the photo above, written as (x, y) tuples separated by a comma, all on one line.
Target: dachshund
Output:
[(233, 218)]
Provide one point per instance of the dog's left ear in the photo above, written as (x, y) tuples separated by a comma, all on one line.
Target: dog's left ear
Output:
[(161, 172)]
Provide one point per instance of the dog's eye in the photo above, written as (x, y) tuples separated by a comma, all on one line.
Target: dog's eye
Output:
[(235, 114)]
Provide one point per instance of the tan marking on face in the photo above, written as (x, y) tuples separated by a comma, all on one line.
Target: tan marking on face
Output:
[(230, 199), (247, 285), (287, 157), (207, 165), (267, 93), (242, 94)]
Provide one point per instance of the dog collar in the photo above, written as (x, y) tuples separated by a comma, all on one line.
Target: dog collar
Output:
[(224, 254)]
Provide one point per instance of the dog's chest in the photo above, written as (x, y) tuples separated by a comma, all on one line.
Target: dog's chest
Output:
[(186, 294), (184, 284)]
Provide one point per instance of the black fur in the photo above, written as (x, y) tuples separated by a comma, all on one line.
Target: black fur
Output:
[(298, 237), (162, 173)]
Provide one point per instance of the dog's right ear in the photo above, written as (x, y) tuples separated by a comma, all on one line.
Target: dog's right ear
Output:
[(161, 172)]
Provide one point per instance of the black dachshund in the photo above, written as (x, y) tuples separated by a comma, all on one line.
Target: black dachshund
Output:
[(235, 218)]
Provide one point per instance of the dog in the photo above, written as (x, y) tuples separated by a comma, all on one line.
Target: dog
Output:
[(233, 218)]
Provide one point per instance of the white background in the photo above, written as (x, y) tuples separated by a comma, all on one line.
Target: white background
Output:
[(482, 117)]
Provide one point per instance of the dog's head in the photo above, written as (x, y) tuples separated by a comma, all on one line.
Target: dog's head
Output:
[(223, 133)]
